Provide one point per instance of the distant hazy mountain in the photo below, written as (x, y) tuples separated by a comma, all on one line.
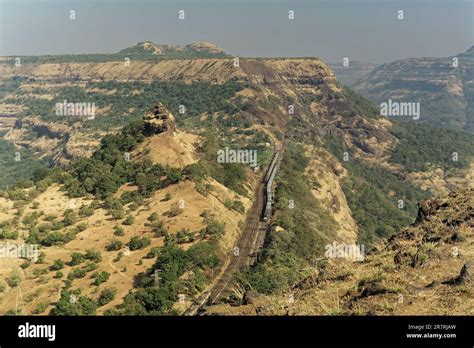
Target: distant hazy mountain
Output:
[(445, 91), (351, 74), (146, 50)]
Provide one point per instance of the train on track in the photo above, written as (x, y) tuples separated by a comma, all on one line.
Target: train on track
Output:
[(265, 212), (268, 181)]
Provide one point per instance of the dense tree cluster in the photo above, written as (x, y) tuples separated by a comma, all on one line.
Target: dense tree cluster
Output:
[(158, 290), (420, 146)]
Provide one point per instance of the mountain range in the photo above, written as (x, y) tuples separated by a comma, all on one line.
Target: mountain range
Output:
[(133, 213)]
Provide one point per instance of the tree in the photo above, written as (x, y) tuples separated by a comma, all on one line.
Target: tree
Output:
[(114, 245), (138, 243), (57, 265), (65, 307), (100, 277), (106, 296), (129, 220)]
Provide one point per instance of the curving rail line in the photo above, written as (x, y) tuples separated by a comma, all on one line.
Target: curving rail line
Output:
[(249, 243)]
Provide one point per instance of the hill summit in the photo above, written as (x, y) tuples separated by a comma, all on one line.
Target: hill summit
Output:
[(195, 49)]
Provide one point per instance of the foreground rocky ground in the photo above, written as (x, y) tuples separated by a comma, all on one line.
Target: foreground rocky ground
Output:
[(425, 269)]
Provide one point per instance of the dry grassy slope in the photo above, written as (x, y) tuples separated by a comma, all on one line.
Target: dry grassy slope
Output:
[(325, 174), (176, 149), (417, 272), (271, 79), (45, 289)]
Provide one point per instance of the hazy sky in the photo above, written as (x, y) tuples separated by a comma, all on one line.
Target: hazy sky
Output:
[(365, 30)]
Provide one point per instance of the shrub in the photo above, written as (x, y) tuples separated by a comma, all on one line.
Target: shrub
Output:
[(118, 231), (138, 243), (214, 229), (153, 217), (77, 273), (154, 252), (40, 308), (236, 205), (184, 236), (159, 228), (76, 259), (100, 277), (57, 265), (129, 220), (83, 306), (106, 296), (114, 245), (25, 264), (80, 227), (86, 211), (93, 255), (89, 267), (175, 210), (70, 217)]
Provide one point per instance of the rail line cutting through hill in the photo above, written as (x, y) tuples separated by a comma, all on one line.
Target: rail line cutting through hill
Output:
[(250, 243)]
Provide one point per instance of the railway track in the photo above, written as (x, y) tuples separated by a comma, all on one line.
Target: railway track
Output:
[(247, 246), (245, 249)]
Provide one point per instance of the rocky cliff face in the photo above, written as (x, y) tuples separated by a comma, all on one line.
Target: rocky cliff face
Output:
[(442, 86), (296, 98)]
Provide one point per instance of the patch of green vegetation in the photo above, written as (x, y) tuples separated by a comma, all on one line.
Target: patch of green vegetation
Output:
[(158, 290), (422, 145), (136, 52), (17, 164), (231, 175), (68, 306), (381, 202), (106, 296), (361, 105), (127, 101), (138, 243), (108, 169), (307, 228), (100, 277)]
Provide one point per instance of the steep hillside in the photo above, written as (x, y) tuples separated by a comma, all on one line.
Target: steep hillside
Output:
[(100, 226), (425, 269), (137, 210), (442, 86)]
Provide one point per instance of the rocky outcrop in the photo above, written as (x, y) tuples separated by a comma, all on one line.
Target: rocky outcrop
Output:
[(158, 121)]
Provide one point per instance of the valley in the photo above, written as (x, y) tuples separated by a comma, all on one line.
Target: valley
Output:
[(138, 210)]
